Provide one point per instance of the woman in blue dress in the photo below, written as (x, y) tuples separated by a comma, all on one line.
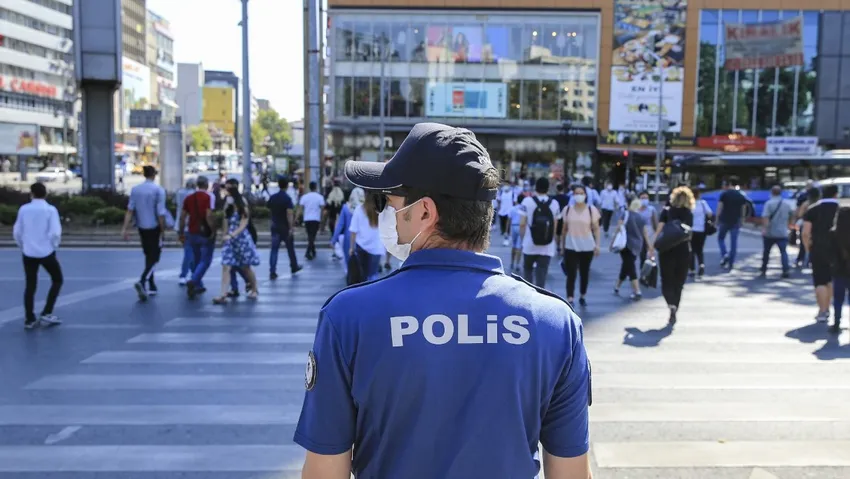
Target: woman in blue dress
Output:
[(238, 249), (355, 199)]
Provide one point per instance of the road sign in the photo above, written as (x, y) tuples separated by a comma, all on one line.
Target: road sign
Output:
[(145, 118)]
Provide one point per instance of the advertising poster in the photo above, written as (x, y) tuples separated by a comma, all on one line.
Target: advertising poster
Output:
[(439, 43), (135, 87), (473, 100), (495, 45), (649, 43), (764, 45), (18, 139)]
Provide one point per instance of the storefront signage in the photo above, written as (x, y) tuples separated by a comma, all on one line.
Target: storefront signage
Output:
[(28, 87), (732, 143), (366, 141), (531, 145), (764, 45), (648, 139), (792, 145), (472, 99), (18, 139), (649, 45)]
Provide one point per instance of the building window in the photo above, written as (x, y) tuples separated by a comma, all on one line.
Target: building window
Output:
[(54, 5), (34, 23)]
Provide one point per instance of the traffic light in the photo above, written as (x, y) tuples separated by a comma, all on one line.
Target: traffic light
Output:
[(625, 153)]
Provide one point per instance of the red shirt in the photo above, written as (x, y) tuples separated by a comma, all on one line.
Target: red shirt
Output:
[(196, 206)]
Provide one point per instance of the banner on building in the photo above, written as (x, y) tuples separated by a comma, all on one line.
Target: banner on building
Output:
[(467, 99), (792, 145), (135, 88), (764, 45), (18, 139), (649, 47)]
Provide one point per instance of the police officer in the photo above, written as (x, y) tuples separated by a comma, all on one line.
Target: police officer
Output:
[(448, 367)]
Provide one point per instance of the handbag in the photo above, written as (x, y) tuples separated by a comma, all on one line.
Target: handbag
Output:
[(673, 234), (354, 275), (620, 239), (649, 274)]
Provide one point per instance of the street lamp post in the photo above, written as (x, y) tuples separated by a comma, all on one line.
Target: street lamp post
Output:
[(246, 105), (381, 124), (659, 143)]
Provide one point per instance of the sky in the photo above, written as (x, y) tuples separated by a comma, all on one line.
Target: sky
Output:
[(207, 31)]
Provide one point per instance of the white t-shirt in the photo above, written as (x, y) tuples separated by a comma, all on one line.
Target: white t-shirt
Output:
[(312, 203), (610, 199), (528, 207), (701, 211), (368, 237), (506, 202)]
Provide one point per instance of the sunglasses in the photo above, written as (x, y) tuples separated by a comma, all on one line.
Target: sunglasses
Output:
[(380, 198)]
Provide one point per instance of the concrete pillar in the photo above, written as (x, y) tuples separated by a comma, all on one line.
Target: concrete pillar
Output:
[(98, 136), (172, 161)]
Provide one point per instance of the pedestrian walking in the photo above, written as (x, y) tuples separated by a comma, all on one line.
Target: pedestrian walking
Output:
[(516, 238), (840, 264), (147, 208), (537, 228), (37, 232), (637, 239), (731, 210), (610, 201), (341, 234), (334, 202), (817, 223), (505, 203), (186, 267), (811, 197), (702, 217), (581, 241), (282, 213), (233, 185), (366, 240), (673, 262), (312, 205), (197, 227), (563, 200), (483, 363), (237, 248), (777, 217), (649, 214)]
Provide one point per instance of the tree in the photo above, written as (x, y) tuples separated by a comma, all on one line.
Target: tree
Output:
[(277, 129), (200, 138)]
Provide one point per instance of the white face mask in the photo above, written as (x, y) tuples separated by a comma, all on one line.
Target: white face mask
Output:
[(229, 200), (609, 187), (388, 230), (580, 198)]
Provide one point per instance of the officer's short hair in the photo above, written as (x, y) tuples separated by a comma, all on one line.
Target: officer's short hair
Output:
[(462, 221)]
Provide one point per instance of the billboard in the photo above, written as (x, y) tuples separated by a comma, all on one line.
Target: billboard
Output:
[(764, 45), (472, 100), (219, 108), (792, 145), (649, 47), (135, 87), (18, 139)]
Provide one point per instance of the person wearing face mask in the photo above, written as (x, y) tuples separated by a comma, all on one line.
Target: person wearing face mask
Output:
[(610, 200), (650, 219), (448, 348), (366, 240), (580, 241)]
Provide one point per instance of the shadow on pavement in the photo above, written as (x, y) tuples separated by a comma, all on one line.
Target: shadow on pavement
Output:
[(811, 333), (832, 350), (649, 338)]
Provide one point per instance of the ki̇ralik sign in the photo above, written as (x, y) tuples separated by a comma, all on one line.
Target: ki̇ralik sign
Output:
[(764, 45)]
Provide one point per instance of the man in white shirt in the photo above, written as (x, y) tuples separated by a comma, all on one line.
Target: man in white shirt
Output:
[(37, 232), (312, 207), (610, 200), (506, 204), (538, 232)]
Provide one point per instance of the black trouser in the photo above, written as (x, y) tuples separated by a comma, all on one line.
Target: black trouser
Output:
[(606, 219), (152, 248), (577, 262), (312, 228), (51, 265), (333, 212), (542, 261), (697, 247), (504, 223), (673, 266), (627, 268)]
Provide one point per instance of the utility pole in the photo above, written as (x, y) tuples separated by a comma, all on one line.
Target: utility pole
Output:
[(313, 90), (381, 124), (247, 180), (659, 154), (305, 132)]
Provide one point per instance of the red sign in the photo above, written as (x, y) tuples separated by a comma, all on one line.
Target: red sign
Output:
[(732, 143), (29, 87)]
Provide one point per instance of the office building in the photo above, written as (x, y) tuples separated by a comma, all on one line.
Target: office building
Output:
[(160, 55), (134, 30)]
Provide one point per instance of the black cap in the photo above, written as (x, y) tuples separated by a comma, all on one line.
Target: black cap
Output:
[(434, 158)]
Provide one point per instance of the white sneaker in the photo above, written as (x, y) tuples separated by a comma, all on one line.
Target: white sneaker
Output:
[(822, 317), (182, 281), (49, 320), (505, 242)]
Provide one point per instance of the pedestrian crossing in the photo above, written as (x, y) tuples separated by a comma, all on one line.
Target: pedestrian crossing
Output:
[(743, 387)]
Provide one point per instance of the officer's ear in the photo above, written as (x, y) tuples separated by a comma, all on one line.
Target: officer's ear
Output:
[(430, 215)]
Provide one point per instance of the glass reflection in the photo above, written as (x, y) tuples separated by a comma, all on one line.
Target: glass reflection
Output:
[(344, 42), (417, 43), (439, 43), (514, 99), (496, 44), (398, 41), (549, 99), (530, 100), (416, 95), (467, 43), (343, 96), (362, 96), (362, 42)]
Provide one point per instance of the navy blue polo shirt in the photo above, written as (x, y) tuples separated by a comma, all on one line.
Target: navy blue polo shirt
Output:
[(447, 368)]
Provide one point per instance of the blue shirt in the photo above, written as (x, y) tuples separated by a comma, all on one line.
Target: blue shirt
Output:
[(516, 215), (147, 202), (733, 202), (279, 204), (460, 382)]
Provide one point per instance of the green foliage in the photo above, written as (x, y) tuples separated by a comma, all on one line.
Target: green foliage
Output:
[(269, 125), (200, 138), (82, 205), (260, 212), (8, 213), (13, 197), (109, 215)]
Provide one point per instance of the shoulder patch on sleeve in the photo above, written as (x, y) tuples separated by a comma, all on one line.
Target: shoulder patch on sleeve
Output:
[(542, 290), (310, 372)]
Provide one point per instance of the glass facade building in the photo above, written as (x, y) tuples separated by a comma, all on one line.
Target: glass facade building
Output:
[(474, 68), (756, 102)]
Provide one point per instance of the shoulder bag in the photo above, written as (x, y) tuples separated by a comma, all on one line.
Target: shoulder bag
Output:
[(710, 225), (672, 234), (620, 239)]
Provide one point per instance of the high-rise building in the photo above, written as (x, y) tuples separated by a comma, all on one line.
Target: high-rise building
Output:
[(37, 88), (134, 36), (160, 55), (190, 96), (264, 104)]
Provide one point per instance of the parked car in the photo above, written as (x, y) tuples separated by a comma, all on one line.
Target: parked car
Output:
[(54, 173)]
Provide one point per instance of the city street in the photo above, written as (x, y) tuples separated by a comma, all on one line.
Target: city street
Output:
[(745, 387)]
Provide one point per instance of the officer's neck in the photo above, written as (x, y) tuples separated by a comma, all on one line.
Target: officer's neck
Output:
[(434, 241)]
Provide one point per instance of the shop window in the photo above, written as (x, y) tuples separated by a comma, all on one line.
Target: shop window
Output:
[(514, 99), (344, 41), (375, 99), (416, 43), (549, 97), (496, 45), (530, 100), (344, 96), (362, 47), (466, 43), (381, 42), (532, 44), (517, 53), (416, 97), (397, 104), (399, 39), (588, 42), (566, 90), (362, 96), (706, 75)]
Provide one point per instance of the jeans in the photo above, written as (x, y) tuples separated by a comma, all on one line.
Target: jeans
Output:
[(733, 230), (290, 250), (188, 256), (31, 265), (202, 253), (542, 261), (782, 244), (372, 263), (840, 290)]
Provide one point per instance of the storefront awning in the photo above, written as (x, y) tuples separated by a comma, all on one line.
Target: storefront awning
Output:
[(763, 160)]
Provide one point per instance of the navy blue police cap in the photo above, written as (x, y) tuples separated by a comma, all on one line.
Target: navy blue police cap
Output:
[(434, 158)]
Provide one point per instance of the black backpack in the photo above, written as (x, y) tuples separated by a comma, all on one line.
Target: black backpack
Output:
[(542, 223)]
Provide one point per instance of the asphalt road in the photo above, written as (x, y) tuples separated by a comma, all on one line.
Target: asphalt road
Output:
[(744, 387)]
